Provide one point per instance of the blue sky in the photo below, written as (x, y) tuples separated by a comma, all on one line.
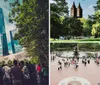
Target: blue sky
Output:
[(6, 9), (87, 6)]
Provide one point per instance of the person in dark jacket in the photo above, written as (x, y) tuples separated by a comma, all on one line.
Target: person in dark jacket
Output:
[(16, 74)]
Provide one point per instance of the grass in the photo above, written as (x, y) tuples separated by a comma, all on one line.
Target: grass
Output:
[(89, 40)]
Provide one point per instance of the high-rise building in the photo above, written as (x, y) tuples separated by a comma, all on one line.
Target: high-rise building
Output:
[(12, 42), (3, 34), (76, 12)]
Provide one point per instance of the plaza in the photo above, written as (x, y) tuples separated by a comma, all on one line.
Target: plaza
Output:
[(89, 73)]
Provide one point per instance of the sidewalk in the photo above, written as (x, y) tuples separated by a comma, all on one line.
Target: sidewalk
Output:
[(90, 72)]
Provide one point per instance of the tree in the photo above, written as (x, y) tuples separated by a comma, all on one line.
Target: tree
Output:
[(66, 26), (32, 22), (56, 27), (96, 25), (77, 27), (60, 8), (72, 27), (87, 26), (97, 7), (57, 10), (96, 30), (96, 19)]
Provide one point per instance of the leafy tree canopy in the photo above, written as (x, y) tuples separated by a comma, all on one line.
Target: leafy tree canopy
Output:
[(32, 22)]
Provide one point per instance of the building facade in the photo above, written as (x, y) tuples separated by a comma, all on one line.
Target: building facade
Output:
[(76, 12), (3, 34)]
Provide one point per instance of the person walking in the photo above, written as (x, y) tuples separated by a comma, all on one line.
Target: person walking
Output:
[(85, 63), (59, 65), (25, 71), (76, 65), (88, 61), (1, 76), (7, 79), (16, 74), (45, 74)]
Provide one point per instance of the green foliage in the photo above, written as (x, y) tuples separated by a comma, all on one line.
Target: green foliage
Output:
[(85, 46), (96, 30), (96, 18), (35, 60), (56, 26), (72, 27), (91, 39), (87, 26), (10, 63), (62, 46), (71, 47), (0, 63), (3, 62), (32, 22), (97, 7), (58, 10)]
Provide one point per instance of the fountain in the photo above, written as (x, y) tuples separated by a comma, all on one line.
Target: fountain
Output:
[(76, 51)]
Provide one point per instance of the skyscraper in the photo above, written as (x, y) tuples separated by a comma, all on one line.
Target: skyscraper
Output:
[(3, 34), (12, 42)]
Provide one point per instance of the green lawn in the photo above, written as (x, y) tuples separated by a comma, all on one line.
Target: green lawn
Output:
[(91, 40)]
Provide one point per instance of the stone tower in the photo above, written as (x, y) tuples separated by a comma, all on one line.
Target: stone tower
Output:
[(73, 10), (76, 12), (79, 11)]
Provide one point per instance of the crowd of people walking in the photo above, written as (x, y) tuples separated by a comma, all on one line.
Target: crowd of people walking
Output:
[(75, 61), (21, 73)]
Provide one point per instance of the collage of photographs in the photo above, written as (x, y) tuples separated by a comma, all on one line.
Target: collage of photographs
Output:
[(49, 42)]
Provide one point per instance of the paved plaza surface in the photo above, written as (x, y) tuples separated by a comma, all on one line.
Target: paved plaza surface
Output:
[(90, 72)]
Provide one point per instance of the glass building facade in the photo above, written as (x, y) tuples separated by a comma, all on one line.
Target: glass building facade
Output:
[(3, 41), (14, 46)]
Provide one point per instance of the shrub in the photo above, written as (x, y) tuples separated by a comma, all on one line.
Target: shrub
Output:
[(10, 63), (0, 63), (34, 60), (3, 62)]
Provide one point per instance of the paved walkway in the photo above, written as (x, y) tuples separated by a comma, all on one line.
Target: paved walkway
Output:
[(91, 72)]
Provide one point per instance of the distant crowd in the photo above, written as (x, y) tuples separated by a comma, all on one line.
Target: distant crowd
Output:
[(21, 73), (75, 61)]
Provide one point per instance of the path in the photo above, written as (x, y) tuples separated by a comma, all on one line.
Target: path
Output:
[(91, 72)]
